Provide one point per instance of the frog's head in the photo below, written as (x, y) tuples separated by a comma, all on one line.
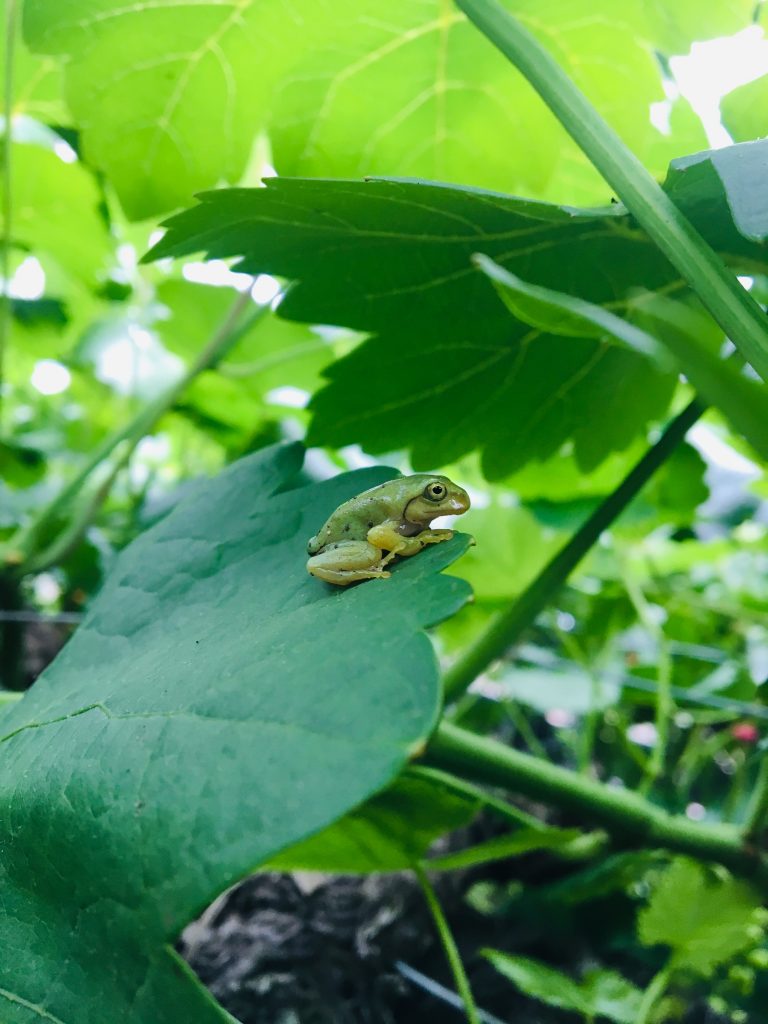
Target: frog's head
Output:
[(434, 496)]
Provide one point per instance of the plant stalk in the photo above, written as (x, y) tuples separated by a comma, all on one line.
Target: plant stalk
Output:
[(508, 626), (757, 811), (730, 304), (630, 819), (22, 549), (449, 945)]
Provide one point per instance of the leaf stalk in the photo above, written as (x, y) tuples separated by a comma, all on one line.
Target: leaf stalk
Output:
[(734, 309)]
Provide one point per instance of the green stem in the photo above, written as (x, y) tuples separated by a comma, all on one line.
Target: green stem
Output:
[(5, 258), (449, 945), (287, 355), (9, 697), (653, 993), (629, 818), (757, 811), (22, 549), (508, 626), (665, 705), (719, 291)]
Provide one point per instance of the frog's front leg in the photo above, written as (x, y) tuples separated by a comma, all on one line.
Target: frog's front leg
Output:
[(387, 537), (346, 562)]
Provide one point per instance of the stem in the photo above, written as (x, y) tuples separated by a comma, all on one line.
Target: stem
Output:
[(22, 548), (629, 818), (757, 811), (5, 258), (507, 627), (730, 304), (656, 989), (665, 705), (9, 697), (449, 945)]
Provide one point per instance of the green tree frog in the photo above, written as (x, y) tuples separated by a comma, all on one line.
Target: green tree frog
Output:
[(393, 517)]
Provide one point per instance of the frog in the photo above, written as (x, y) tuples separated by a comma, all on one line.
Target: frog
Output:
[(395, 517)]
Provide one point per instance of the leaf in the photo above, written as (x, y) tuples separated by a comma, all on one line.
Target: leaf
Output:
[(744, 402), (574, 690), (706, 921), (511, 548), (391, 832), (602, 994), (171, 93), (56, 213), (734, 175), (216, 706), (563, 314), (743, 110), (515, 844), (447, 369)]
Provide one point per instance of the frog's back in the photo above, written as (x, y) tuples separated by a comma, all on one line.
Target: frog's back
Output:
[(353, 519)]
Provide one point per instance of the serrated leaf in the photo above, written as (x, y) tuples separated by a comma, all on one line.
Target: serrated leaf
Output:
[(603, 994), (448, 370), (706, 921), (217, 705)]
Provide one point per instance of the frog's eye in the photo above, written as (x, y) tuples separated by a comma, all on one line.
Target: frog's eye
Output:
[(435, 491)]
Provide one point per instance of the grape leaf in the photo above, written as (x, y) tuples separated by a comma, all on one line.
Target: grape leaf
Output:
[(706, 921), (446, 370), (217, 705), (171, 93)]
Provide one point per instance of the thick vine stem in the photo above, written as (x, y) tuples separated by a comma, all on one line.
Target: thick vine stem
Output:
[(508, 626), (630, 819), (730, 304)]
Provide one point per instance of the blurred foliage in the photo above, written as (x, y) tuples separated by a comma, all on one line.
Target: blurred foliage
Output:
[(122, 112)]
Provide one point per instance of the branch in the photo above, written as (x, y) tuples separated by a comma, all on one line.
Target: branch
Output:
[(508, 626), (730, 304), (630, 819), (21, 551)]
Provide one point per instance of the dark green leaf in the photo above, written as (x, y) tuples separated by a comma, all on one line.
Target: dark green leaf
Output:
[(735, 177), (448, 370), (217, 705)]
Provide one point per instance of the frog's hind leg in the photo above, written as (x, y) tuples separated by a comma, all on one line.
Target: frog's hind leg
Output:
[(347, 562)]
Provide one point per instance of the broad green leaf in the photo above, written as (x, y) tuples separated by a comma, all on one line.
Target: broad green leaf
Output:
[(217, 706), (171, 95), (56, 213), (705, 920), (602, 994), (511, 548), (744, 111), (391, 832), (516, 844), (744, 401), (543, 690), (447, 370), (37, 81), (734, 175)]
